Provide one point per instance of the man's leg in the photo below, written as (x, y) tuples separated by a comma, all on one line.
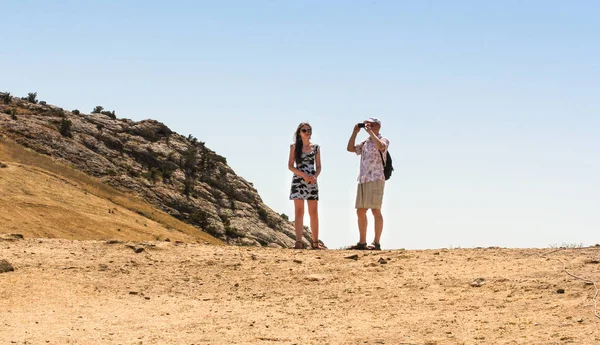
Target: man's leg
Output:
[(362, 224), (378, 224), (361, 213)]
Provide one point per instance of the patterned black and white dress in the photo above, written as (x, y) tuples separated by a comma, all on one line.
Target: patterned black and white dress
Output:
[(300, 188)]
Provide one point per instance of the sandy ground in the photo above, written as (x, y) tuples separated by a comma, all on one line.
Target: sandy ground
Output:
[(93, 292)]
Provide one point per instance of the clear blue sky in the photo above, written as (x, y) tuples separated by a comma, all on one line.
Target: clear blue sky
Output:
[(492, 108)]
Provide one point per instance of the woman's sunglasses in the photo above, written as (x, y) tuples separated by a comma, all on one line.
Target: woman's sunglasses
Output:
[(306, 130)]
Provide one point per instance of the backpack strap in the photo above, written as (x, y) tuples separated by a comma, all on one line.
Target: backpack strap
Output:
[(382, 160)]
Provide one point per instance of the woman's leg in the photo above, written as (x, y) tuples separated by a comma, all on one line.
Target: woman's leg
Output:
[(313, 212), (299, 219)]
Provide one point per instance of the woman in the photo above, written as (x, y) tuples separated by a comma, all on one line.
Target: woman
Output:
[(305, 163)]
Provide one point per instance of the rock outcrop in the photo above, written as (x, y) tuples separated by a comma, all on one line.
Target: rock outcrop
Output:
[(176, 174)]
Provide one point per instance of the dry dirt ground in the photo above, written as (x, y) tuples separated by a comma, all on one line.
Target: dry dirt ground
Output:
[(96, 292)]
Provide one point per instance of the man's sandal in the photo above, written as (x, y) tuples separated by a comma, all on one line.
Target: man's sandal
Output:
[(374, 246), (317, 246), (359, 246)]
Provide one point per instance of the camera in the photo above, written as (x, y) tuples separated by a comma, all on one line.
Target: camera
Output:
[(361, 125)]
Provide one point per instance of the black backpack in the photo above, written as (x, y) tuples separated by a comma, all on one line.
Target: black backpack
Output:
[(387, 165)]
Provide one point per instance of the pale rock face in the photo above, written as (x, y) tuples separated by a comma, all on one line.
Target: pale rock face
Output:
[(156, 164)]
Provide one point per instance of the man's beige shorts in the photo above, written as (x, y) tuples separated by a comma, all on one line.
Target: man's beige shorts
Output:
[(370, 194)]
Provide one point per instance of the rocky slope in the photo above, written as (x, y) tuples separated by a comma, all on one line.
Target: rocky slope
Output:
[(176, 174)]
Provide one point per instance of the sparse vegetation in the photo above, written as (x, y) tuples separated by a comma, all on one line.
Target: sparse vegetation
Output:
[(233, 232), (43, 102), (6, 98), (225, 220), (211, 230), (75, 112), (189, 162), (65, 128), (153, 175), (166, 169), (567, 245), (32, 97), (60, 112), (13, 113), (100, 110), (132, 172), (262, 213), (200, 218), (111, 172), (110, 114), (285, 216), (264, 216)]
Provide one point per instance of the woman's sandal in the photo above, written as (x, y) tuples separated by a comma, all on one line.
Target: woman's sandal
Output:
[(299, 245)]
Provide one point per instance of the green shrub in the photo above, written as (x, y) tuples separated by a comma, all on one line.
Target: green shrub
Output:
[(110, 114), (6, 99), (285, 216), (233, 232), (43, 102), (225, 220), (13, 113), (167, 168), (65, 128), (111, 172), (132, 172), (56, 112), (32, 97), (211, 230), (152, 175), (199, 218), (262, 214), (97, 109), (75, 112)]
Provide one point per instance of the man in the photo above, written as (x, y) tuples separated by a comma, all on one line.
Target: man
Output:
[(371, 180)]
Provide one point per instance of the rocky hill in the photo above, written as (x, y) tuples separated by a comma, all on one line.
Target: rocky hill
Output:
[(176, 174)]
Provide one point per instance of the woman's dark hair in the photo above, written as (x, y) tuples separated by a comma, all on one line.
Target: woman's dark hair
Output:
[(298, 150)]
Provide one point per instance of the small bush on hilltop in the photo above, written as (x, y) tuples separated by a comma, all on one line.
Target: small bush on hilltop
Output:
[(6, 99), (100, 110), (110, 114), (56, 112), (32, 97), (75, 112)]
